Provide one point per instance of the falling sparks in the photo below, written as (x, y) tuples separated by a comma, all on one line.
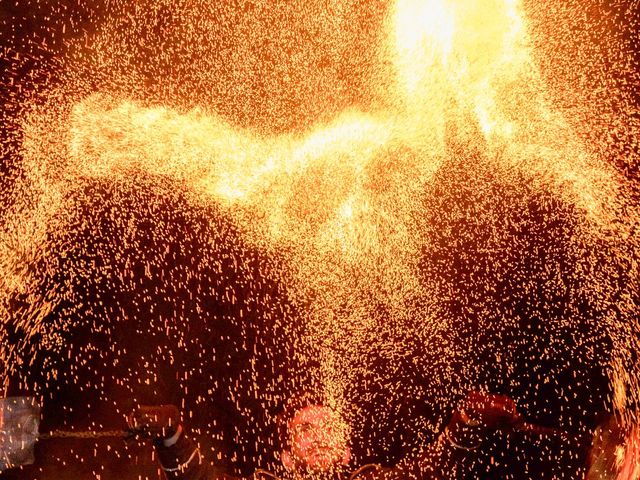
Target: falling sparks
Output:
[(377, 206)]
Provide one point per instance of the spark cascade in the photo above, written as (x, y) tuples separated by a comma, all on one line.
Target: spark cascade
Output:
[(386, 204)]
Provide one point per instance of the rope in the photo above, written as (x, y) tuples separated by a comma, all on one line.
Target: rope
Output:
[(362, 469), (259, 473), (183, 466), (84, 434)]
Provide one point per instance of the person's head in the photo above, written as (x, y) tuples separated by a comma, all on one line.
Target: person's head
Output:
[(316, 439)]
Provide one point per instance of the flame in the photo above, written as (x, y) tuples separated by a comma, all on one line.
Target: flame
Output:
[(462, 52)]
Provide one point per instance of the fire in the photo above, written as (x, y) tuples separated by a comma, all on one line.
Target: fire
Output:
[(460, 53)]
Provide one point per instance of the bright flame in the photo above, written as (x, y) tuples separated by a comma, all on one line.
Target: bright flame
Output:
[(459, 53)]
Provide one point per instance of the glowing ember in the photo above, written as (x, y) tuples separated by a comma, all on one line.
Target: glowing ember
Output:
[(382, 204)]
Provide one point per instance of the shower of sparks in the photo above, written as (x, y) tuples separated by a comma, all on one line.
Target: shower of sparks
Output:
[(385, 205)]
